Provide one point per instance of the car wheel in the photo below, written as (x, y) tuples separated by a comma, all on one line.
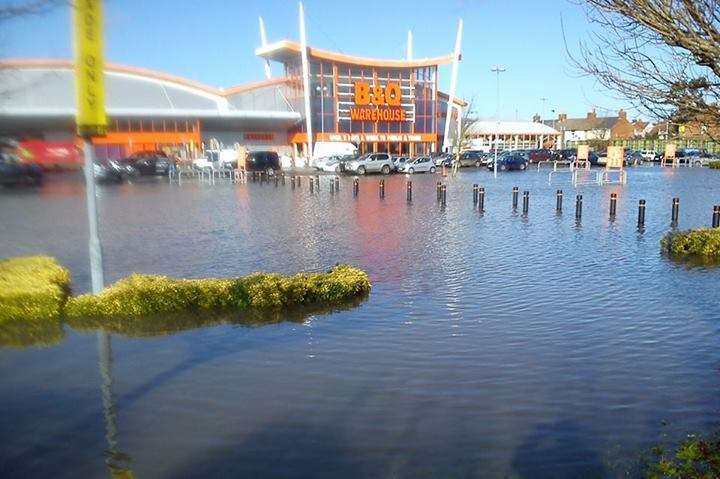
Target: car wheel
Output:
[(698, 163), (477, 164), (411, 170), (337, 169), (432, 169), (361, 170), (503, 167), (385, 170), (523, 166)]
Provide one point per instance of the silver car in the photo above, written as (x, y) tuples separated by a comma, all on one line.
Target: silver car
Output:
[(419, 164), (372, 163)]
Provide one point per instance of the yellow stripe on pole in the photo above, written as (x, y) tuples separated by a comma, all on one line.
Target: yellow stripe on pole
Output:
[(89, 63)]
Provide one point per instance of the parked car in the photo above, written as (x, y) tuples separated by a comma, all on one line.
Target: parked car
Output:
[(419, 164), (509, 160), (542, 154), (332, 164), (267, 161), (695, 156), (648, 155), (371, 163), (473, 158), (441, 159), (398, 161), (108, 171), (14, 172), (633, 157), (148, 163), (566, 154)]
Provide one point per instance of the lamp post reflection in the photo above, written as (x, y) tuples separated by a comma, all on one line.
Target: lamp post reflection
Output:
[(117, 462)]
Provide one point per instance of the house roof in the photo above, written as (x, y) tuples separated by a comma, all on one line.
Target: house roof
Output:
[(511, 128), (584, 124)]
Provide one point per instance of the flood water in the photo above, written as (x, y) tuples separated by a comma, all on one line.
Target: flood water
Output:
[(492, 345)]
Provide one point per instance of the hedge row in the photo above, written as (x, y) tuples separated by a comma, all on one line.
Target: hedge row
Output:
[(32, 288), (701, 243), (714, 165)]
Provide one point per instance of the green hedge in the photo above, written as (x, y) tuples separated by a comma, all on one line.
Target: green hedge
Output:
[(702, 243), (695, 458), (32, 288), (714, 165), (147, 295)]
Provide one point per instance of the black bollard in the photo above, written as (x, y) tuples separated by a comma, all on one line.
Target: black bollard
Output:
[(337, 183), (514, 197), (381, 188), (254, 176), (613, 204), (641, 214), (444, 195), (312, 185), (298, 180), (716, 216), (282, 178), (481, 200), (332, 185), (292, 181), (409, 191), (526, 202), (356, 187), (578, 207), (675, 212), (317, 182), (475, 193), (558, 201), (438, 190), (277, 180)]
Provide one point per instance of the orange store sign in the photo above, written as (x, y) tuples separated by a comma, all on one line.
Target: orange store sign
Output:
[(377, 103)]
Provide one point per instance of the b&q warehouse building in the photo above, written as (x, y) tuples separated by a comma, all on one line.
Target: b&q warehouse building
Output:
[(378, 105)]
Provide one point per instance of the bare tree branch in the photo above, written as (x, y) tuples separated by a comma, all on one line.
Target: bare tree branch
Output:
[(663, 56)]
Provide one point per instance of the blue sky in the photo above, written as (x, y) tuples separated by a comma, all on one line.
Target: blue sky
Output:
[(213, 42)]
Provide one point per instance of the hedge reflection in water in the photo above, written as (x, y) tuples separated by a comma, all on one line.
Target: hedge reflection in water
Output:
[(21, 334)]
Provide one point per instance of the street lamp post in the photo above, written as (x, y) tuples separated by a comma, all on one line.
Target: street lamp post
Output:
[(497, 69)]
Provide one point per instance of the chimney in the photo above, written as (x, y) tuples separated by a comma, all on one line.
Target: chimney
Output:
[(622, 115), (562, 117), (592, 115)]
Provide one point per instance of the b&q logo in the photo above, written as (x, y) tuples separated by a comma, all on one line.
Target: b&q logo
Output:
[(377, 103)]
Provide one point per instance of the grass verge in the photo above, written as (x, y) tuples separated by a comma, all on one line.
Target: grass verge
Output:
[(32, 288), (150, 295), (699, 243)]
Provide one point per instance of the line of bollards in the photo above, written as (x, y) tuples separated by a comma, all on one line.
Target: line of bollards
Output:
[(578, 207), (558, 201), (641, 214), (408, 189), (515, 197), (526, 202), (613, 204), (381, 188)]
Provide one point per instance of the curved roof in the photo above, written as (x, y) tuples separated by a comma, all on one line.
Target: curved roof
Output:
[(46, 88), (486, 127), (286, 49), (62, 64)]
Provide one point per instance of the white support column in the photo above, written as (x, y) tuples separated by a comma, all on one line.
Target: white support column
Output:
[(409, 45), (453, 83), (306, 82), (263, 43)]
